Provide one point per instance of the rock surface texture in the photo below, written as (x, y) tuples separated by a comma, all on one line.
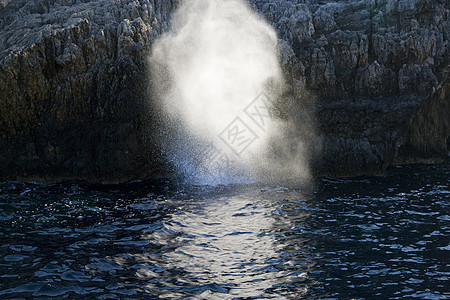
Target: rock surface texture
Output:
[(380, 72), (74, 84), (73, 78)]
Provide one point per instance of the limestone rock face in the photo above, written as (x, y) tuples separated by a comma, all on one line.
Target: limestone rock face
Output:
[(380, 72), (73, 88), (74, 84)]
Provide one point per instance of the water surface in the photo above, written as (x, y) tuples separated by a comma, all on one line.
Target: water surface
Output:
[(373, 238)]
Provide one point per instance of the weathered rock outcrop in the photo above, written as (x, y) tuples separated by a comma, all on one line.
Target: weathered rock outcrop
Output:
[(72, 89), (73, 83), (380, 72)]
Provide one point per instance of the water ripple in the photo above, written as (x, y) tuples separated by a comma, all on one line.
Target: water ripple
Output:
[(383, 237)]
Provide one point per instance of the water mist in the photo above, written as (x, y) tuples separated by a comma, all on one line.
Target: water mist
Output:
[(218, 78)]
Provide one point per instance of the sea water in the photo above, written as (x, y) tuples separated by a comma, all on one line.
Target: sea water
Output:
[(366, 238)]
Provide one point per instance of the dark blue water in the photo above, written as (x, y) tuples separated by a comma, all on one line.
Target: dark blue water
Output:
[(373, 238)]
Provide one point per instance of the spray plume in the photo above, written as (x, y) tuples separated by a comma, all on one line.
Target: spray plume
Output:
[(218, 78)]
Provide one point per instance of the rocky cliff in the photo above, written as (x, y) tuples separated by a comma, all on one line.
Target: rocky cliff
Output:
[(74, 84), (73, 80), (380, 72)]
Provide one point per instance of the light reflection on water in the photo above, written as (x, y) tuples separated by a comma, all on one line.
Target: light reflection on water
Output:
[(228, 243), (383, 237)]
